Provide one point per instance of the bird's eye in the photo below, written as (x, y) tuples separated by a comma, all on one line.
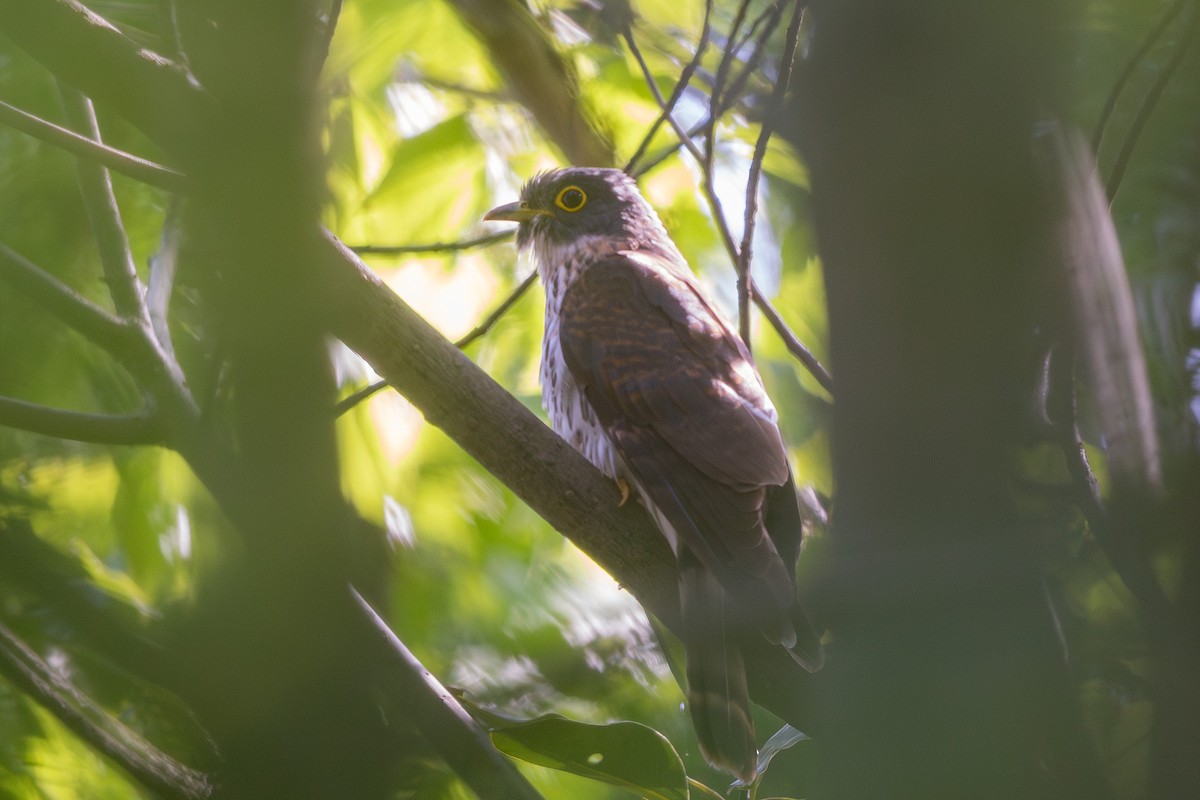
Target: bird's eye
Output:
[(571, 198)]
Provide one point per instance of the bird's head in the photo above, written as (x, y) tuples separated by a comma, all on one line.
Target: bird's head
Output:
[(562, 208)]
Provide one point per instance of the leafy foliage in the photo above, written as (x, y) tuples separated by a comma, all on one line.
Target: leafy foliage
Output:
[(421, 134)]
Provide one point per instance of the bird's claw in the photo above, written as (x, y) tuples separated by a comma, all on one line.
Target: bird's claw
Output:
[(623, 485)]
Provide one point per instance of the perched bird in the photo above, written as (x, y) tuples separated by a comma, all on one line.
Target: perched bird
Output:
[(644, 377)]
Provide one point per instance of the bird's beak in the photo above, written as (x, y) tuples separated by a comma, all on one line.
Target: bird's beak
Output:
[(513, 212)]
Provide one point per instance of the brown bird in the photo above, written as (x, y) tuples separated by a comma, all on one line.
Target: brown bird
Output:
[(644, 377)]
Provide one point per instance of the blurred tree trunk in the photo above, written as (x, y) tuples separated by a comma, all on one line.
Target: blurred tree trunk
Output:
[(916, 122), (276, 669)]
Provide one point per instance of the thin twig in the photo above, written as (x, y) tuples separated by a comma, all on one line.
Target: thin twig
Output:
[(756, 23), (140, 169), (142, 760), (435, 247), (700, 127), (479, 330), (684, 138), (1147, 108), (500, 310), (461, 742), (681, 85), (1127, 559), (78, 426), (752, 64), (752, 180), (710, 135), (794, 345), (790, 340), (1114, 94), (347, 403), (89, 319), (669, 150), (706, 165), (95, 184), (331, 21)]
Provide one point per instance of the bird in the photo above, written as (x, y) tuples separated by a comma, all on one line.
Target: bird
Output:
[(641, 373)]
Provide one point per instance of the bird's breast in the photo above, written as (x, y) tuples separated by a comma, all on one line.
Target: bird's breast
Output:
[(571, 416)]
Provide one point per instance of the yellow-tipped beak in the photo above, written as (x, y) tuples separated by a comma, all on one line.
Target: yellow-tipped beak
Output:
[(513, 212)]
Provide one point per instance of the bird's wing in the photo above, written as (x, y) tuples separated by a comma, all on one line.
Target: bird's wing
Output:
[(660, 356), (686, 411)]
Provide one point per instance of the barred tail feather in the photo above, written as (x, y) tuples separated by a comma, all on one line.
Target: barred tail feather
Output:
[(718, 699)]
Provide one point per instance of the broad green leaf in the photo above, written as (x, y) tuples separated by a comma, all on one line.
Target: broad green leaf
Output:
[(625, 754)]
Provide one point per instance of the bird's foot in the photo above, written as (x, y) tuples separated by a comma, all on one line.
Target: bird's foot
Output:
[(623, 485)]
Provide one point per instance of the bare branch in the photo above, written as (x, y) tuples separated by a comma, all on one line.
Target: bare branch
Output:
[(100, 621), (479, 330), (136, 167), (1128, 560), (78, 426), (715, 97), (444, 723), (760, 152), (349, 402), (500, 310), (1103, 320), (120, 273), (329, 28), (684, 139), (435, 247), (85, 50), (1147, 108), (794, 345), (540, 78), (681, 85), (666, 107), (142, 760), (93, 322)]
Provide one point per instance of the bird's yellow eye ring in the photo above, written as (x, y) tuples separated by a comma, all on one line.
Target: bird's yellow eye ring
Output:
[(571, 198)]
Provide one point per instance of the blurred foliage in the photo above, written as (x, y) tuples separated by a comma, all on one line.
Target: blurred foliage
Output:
[(421, 138)]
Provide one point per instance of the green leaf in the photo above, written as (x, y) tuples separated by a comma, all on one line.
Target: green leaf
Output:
[(625, 754)]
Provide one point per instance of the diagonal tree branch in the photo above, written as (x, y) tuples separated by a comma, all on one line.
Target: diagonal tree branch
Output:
[(540, 78), (142, 760), (136, 167), (750, 291), (62, 301), (498, 312), (756, 161), (681, 85), (664, 106), (128, 429), (791, 341), (100, 621), (1123, 550), (120, 273), (82, 48), (443, 721), (538, 465), (479, 330), (434, 247)]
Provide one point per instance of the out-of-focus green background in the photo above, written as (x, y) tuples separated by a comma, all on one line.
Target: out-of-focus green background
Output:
[(422, 135)]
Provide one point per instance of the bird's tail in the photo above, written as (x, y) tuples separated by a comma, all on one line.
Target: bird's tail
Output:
[(718, 699)]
